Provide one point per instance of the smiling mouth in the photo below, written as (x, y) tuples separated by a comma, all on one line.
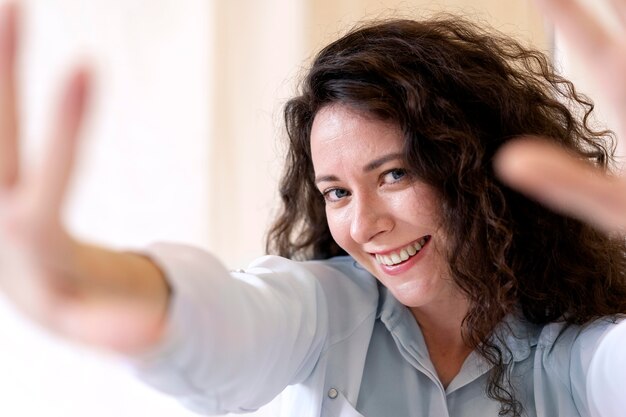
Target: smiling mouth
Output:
[(403, 254)]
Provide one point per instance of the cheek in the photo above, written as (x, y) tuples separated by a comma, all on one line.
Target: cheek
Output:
[(339, 226), (419, 205)]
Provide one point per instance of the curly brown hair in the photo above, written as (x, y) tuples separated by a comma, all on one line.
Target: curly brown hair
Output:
[(459, 92)]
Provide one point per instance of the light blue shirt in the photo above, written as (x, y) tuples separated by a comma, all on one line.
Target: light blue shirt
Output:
[(332, 343), (400, 380)]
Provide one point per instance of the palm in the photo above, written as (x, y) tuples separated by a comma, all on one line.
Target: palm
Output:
[(549, 174), (600, 48)]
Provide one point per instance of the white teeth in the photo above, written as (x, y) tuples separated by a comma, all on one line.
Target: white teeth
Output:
[(394, 258)]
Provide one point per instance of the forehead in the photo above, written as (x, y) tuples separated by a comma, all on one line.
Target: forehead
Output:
[(341, 134)]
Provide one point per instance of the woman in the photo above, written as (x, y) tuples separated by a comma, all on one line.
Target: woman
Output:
[(459, 295), (428, 104)]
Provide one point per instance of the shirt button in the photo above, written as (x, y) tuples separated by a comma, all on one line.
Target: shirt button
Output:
[(333, 393)]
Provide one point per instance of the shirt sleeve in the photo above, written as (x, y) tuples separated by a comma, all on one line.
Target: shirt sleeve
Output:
[(606, 377), (234, 340)]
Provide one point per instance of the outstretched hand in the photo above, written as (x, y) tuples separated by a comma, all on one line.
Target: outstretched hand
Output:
[(85, 293), (548, 173), (552, 176), (32, 238)]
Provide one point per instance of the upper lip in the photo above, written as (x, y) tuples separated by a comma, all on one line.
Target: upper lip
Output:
[(397, 249)]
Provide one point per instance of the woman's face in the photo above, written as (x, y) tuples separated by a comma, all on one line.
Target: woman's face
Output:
[(388, 222)]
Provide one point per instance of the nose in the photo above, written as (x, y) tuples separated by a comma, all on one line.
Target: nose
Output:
[(370, 218)]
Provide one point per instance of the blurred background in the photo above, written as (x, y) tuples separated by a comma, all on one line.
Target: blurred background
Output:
[(183, 143)]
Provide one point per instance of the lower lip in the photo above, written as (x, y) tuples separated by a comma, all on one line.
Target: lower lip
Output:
[(406, 265)]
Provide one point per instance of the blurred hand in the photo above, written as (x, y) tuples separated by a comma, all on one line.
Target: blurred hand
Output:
[(551, 175), (82, 292), (33, 240)]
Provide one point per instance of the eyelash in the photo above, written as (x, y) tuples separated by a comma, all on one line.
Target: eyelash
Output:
[(402, 171), (327, 193)]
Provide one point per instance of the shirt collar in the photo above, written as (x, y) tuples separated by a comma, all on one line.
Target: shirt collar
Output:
[(515, 336)]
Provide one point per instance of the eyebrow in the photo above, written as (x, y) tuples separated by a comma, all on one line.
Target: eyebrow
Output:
[(376, 163), (370, 166)]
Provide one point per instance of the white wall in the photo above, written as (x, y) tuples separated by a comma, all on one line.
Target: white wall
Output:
[(142, 172)]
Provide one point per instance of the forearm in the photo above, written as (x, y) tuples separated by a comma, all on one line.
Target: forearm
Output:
[(105, 273), (117, 300), (235, 340)]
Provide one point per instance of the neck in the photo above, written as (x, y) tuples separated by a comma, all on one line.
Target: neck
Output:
[(441, 325), (442, 318)]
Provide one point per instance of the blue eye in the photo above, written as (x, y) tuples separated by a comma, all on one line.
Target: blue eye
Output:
[(395, 175), (335, 194)]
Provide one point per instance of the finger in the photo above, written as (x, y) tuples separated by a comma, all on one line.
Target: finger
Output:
[(9, 158), (579, 27), (51, 178), (619, 7), (565, 183)]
